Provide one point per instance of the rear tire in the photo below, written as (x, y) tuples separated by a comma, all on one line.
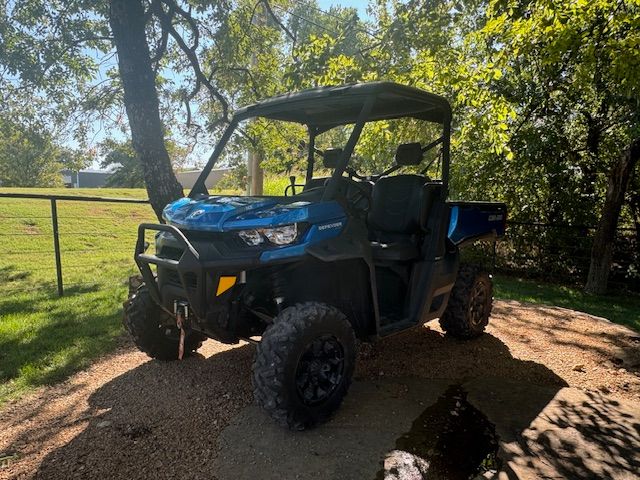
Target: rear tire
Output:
[(470, 303), (304, 365), (153, 330)]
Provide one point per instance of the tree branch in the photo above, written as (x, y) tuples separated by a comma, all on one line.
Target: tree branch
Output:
[(161, 48), (189, 19), (190, 52), (249, 74), (275, 18)]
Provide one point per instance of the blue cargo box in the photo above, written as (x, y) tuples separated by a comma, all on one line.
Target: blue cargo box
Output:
[(472, 221)]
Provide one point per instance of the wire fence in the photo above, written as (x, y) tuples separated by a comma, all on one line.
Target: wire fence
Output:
[(67, 243), (70, 243), (560, 253)]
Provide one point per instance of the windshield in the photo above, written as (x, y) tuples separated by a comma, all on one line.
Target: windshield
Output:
[(296, 151)]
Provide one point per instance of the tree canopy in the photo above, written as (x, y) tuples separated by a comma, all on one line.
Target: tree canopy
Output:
[(29, 156)]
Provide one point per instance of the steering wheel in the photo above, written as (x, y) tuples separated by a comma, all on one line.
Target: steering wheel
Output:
[(353, 192)]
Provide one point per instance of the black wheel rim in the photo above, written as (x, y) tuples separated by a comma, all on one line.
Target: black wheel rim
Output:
[(478, 303), (320, 370)]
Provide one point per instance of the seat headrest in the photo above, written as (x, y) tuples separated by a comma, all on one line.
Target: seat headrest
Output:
[(409, 154), (331, 157)]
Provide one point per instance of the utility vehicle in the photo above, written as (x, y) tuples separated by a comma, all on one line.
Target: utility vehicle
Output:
[(339, 258)]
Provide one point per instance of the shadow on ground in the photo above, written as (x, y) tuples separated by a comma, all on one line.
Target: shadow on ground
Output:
[(616, 343), (159, 420), (194, 419), (575, 434)]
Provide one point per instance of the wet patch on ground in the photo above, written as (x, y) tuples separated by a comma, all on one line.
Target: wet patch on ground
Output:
[(450, 439)]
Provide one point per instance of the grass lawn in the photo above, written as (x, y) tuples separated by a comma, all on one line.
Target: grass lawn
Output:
[(43, 338), (622, 309)]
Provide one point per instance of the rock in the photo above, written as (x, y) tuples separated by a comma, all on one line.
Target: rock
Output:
[(578, 368), (104, 424), (400, 465)]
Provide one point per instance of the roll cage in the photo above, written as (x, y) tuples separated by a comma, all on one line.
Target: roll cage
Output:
[(321, 109)]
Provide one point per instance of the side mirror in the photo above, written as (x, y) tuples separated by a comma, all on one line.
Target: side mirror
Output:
[(331, 157)]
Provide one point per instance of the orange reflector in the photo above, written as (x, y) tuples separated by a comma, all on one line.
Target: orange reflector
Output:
[(225, 284)]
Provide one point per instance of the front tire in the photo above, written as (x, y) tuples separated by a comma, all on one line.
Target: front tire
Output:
[(304, 365), (153, 330), (470, 303)]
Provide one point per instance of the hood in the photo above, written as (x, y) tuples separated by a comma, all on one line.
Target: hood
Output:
[(221, 213)]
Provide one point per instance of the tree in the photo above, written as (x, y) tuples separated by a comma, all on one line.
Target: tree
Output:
[(585, 56), (126, 168), (602, 251), (128, 24), (30, 158), (544, 96)]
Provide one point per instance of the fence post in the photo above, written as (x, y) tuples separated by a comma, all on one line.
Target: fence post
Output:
[(56, 245)]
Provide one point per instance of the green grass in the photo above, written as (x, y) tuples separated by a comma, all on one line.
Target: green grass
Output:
[(275, 185), (622, 309), (44, 338)]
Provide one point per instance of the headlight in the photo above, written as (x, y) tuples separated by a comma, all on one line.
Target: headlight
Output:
[(251, 237), (283, 235)]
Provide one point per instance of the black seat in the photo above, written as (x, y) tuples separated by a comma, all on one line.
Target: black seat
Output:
[(315, 183), (330, 158), (396, 217)]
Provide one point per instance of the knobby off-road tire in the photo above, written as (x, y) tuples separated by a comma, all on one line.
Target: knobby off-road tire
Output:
[(152, 330), (304, 364), (470, 303)]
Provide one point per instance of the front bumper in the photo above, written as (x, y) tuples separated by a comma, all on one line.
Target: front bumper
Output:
[(199, 280)]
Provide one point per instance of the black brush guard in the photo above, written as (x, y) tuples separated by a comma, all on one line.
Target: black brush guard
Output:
[(206, 272)]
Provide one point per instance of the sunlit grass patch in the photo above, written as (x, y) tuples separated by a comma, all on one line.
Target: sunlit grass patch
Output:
[(622, 309)]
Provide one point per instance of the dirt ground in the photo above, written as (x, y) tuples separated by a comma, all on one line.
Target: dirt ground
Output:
[(129, 417)]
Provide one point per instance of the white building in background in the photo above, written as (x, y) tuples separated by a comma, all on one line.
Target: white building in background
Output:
[(188, 177)]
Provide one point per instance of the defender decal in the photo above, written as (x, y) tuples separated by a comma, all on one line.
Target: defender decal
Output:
[(330, 225)]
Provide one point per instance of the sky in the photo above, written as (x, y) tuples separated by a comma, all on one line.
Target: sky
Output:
[(359, 4)]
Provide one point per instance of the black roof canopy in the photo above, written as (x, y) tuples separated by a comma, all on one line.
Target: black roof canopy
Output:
[(327, 107)]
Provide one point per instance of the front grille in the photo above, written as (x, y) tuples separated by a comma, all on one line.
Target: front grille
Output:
[(210, 246), (171, 253), (225, 242), (171, 277)]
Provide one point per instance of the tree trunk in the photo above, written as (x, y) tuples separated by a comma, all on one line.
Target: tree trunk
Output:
[(602, 248), (127, 20), (634, 201)]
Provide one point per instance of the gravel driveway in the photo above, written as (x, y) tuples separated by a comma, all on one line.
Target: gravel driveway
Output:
[(128, 417)]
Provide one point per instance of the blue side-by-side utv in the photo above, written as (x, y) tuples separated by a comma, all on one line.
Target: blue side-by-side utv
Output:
[(305, 274)]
